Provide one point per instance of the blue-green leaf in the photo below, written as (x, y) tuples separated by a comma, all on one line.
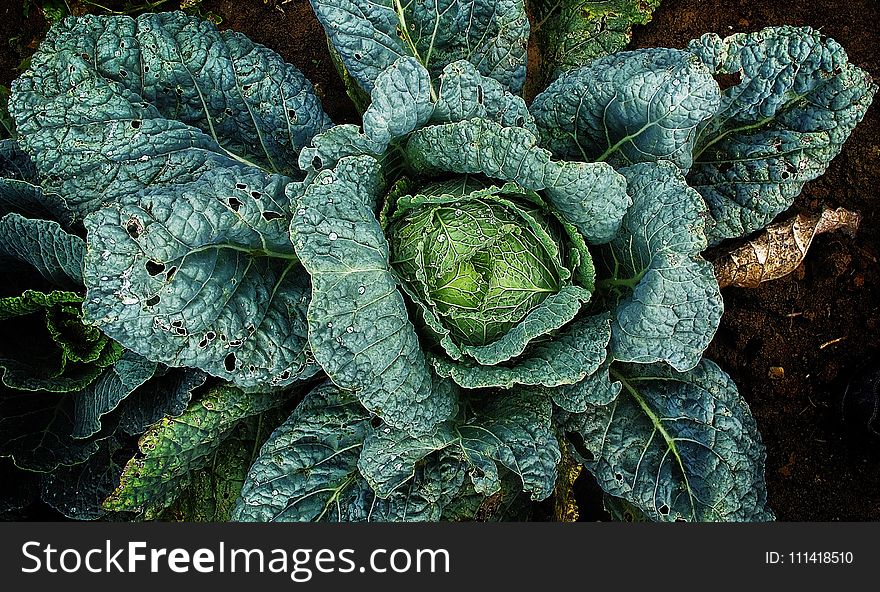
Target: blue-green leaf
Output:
[(675, 304), (204, 275), (309, 463), (590, 196), (573, 353), (359, 329), (677, 446), (797, 101), (112, 104), (636, 106), (491, 34), (43, 244)]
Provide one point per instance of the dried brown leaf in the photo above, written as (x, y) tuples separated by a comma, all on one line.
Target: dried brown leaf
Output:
[(780, 248)]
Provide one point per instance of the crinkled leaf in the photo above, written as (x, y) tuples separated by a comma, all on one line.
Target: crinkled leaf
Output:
[(389, 457), (36, 428), (797, 101), (214, 490), (491, 34), (399, 103), (677, 446), (174, 448), (466, 94), (112, 104), (636, 106), (573, 32), (513, 429), (359, 330), (203, 275), (675, 304), (574, 352), (78, 491), (596, 389), (509, 504), (516, 430), (56, 254), (104, 394), (309, 463), (591, 196)]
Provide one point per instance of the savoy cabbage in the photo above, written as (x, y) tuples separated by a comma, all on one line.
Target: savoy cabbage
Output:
[(462, 287)]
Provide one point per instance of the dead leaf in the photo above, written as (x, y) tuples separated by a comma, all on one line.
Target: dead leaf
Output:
[(780, 248)]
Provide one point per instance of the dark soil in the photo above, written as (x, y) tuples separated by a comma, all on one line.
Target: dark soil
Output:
[(820, 325)]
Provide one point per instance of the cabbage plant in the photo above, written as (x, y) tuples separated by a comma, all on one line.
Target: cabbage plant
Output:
[(463, 286)]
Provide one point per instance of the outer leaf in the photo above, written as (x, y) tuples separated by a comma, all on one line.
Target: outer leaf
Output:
[(575, 352), (675, 306), (309, 462), (516, 430), (359, 329), (595, 389), (35, 430), (104, 394), (43, 244), (171, 450), (591, 196), (61, 354), (466, 94), (168, 393), (797, 102), (513, 429), (678, 446), (635, 106), (491, 34), (400, 103), (203, 275), (573, 32), (112, 104), (19, 191)]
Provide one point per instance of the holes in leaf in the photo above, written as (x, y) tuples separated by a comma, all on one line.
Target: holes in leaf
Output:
[(203, 343), (664, 509), (170, 274), (177, 324), (233, 203), (292, 116), (210, 336), (317, 163), (134, 227), (146, 69), (86, 57), (269, 215), (152, 301), (520, 121), (376, 422), (135, 123), (480, 94), (228, 112), (726, 81), (154, 267), (358, 56), (240, 186), (229, 362), (123, 74), (284, 375), (256, 194), (618, 477)]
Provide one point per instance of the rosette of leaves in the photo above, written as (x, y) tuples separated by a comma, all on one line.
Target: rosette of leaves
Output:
[(567, 299), (451, 242)]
